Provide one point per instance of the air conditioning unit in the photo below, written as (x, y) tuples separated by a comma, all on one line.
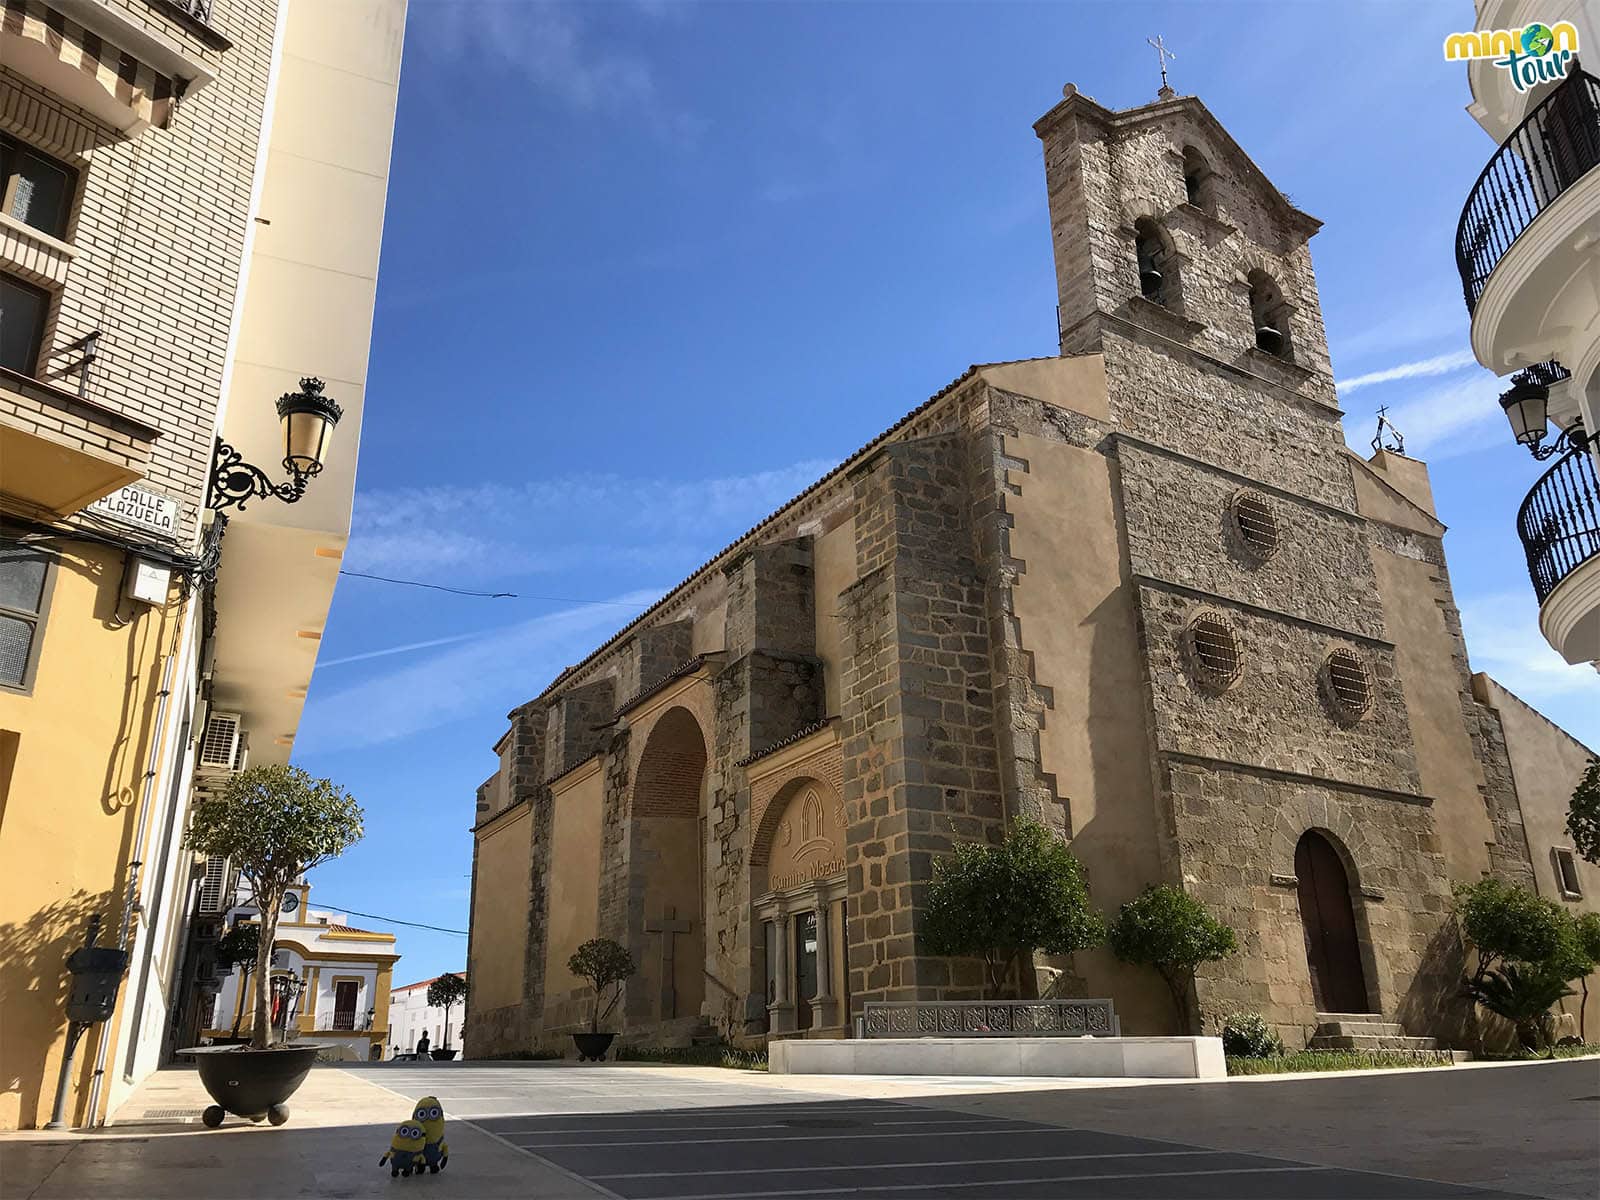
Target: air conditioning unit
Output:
[(217, 887), (221, 743)]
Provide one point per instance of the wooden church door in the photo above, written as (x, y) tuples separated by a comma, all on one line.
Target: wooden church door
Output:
[(1332, 949)]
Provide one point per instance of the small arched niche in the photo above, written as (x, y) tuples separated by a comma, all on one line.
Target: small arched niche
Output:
[(1199, 181)]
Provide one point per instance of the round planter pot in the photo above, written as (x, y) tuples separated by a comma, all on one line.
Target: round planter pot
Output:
[(592, 1047), (253, 1084), (441, 1055)]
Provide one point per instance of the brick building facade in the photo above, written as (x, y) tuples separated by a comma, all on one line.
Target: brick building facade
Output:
[(1140, 591)]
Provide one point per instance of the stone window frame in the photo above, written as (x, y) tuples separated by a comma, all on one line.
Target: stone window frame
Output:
[(1565, 861), (1336, 696), (1199, 180), (1257, 537), (1210, 676)]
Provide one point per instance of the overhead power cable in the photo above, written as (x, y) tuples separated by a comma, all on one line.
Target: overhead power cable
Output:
[(439, 587), (392, 920)]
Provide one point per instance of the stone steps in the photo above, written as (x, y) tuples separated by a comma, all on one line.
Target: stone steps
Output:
[(1360, 1029), (1387, 1044), (1367, 1031)]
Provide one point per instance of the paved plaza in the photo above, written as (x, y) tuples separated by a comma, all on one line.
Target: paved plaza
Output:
[(639, 1131)]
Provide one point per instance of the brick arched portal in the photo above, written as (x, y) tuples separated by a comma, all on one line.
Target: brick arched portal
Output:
[(667, 930)]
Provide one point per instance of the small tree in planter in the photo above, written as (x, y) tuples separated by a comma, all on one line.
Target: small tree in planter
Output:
[(274, 823), (1002, 903), (604, 964), (1165, 928), (445, 992), (237, 949)]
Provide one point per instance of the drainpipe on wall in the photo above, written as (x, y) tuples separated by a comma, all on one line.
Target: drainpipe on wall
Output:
[(103, 1042)]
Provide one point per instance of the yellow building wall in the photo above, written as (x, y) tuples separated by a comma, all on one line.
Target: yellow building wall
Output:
[(500, 925), (1547, 764), (79, 745), (573, 907)]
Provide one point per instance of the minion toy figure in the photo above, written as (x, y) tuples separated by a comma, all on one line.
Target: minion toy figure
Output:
[(429, 1114), (404, 1154)]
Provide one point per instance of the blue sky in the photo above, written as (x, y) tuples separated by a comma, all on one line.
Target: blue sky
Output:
[(649, 268)]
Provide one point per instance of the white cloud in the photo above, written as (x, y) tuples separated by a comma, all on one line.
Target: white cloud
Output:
[(1421, 321), (1441, 364), (1503, 640), (1447, 422), (501, 531), (499, 670), (559, 51)]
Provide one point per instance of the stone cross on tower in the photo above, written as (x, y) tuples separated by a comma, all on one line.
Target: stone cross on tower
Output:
[(1166, 92), (667, 927)]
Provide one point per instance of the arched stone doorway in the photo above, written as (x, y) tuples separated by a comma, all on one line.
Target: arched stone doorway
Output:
[(668, 857), (1333, 947), (798, 882)]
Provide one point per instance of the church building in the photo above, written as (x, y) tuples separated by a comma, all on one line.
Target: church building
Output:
[(1140, 591)]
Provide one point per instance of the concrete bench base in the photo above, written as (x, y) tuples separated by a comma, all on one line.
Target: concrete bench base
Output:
[(1076, 1057)]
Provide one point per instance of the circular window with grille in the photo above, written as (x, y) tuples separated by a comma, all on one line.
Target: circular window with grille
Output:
[(1213, 651), (1254, 525), (1347, 684)]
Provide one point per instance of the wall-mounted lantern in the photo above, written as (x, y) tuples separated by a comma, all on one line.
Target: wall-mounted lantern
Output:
[(308, 418), (1527, 406)]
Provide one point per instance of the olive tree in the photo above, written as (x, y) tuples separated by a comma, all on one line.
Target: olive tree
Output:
[(446, 992), (1583, 813), (274, 823), (604, 964), (1168, 930), (1002, 903)]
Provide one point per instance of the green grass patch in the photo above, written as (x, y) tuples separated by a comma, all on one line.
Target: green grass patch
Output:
[(1335, 1060), (1542, 1055), (730, 1057)]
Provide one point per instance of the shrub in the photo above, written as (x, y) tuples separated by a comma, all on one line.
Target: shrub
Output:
[(1247, 1035), (1507, 923), (1528, 949), (1002, 903), (1583, 813), (1165, 928)]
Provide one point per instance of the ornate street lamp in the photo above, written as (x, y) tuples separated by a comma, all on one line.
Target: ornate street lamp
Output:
[(1527, 407), (308, 418)]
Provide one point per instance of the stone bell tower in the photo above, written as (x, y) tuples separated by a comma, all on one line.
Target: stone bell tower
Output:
[(1278, 729)]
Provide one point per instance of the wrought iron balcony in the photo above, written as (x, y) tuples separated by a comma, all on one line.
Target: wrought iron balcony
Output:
[(1551, 150), (1559, 522)]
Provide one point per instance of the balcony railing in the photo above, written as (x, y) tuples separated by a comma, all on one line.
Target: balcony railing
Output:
[(344, 1021), (1544, 156), (1559, 522)]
